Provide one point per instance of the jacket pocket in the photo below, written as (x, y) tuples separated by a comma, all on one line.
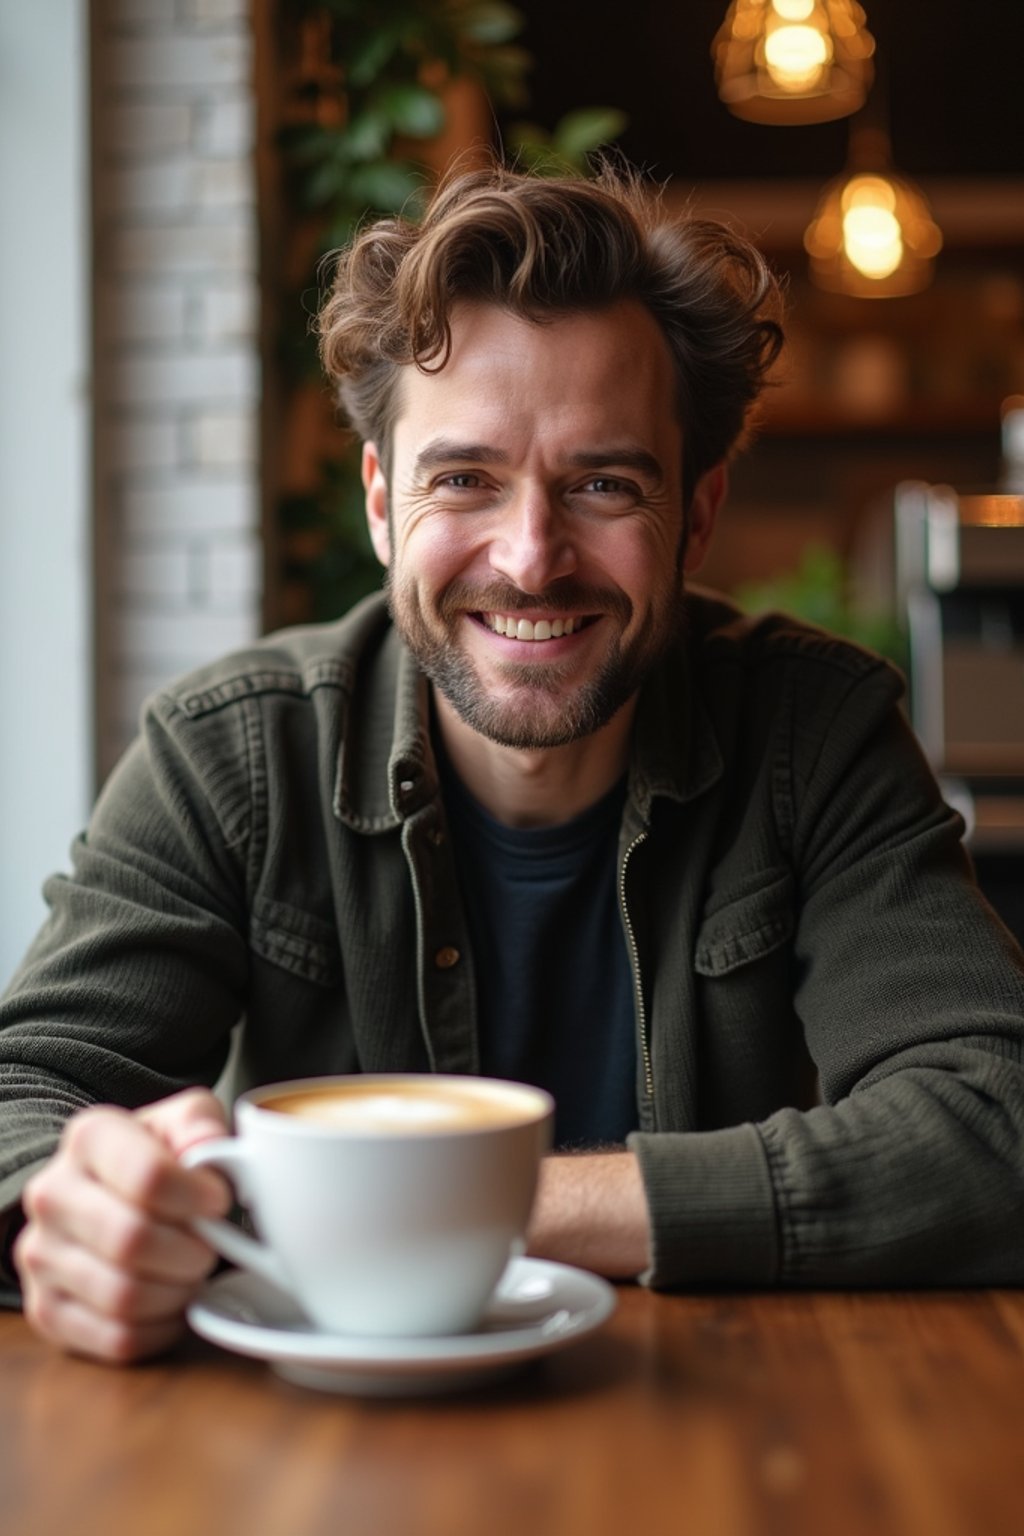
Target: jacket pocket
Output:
[(295, 941), (746, 926)]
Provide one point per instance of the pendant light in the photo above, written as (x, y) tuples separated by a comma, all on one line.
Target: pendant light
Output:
[(872, 235), (793, 61)]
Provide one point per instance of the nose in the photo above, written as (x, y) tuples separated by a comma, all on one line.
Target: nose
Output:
[(533, 546)]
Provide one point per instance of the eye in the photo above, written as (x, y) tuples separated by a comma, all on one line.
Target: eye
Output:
[(462, 480), (609, 492), (605, 485)]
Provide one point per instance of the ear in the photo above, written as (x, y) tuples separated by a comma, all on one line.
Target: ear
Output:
[(708, 495), (375, 489)]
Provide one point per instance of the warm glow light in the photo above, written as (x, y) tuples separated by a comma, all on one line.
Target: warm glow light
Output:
[(795, 57), (869, 192), (793, 61), (992, 511), (872, 235), (873, 241)]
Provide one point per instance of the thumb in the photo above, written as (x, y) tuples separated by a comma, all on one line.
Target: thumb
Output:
[(186, 1119)]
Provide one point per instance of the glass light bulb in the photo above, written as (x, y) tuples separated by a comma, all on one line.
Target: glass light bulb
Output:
[(869, 192), (872, 239), (795, 57), (793, 10)]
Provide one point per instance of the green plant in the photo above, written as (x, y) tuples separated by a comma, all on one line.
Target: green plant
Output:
[(378, 89), (370, 97), (566, 150), (817, 590)]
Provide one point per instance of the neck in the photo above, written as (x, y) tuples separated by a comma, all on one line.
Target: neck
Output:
[(542, 787)]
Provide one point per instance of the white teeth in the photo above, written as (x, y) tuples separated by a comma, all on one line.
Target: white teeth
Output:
[(526, 629)]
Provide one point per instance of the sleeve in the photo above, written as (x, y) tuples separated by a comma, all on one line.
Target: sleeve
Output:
[(133, 985), (911, 996)]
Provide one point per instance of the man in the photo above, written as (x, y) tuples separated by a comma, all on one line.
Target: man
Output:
[(542, 817)]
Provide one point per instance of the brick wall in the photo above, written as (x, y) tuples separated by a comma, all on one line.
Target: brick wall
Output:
[(177, 381)]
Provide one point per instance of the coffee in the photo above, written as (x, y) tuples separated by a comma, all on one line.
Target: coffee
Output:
[(419, 1107), (387, 1205)]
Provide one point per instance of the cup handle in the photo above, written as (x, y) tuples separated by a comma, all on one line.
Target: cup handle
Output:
[(228, 1156)]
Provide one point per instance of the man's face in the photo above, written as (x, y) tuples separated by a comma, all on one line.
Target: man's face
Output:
[(533, 522)]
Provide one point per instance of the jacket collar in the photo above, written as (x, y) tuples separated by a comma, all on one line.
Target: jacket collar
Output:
[(386, 767), (675, 746), (386, 764)]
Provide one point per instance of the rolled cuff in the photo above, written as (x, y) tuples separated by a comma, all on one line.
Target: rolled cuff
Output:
[(711, 1205)]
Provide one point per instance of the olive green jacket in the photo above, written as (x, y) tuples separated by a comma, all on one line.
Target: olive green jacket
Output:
[(830, 1020)]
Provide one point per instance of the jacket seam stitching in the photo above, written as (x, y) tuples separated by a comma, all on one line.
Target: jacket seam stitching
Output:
[(718, 960), (257, 795), (787, 1263), (244, 687), (779, 1207)]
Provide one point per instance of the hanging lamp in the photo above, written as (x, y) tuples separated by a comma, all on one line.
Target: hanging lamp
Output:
[(793, 61), (872, 235)]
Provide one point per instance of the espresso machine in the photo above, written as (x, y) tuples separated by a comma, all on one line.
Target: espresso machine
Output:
[(959, 579)]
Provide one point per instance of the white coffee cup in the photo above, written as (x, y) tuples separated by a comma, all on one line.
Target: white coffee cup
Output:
[(387, 1205)]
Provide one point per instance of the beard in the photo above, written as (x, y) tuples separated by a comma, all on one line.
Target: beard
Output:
[(539, 706)]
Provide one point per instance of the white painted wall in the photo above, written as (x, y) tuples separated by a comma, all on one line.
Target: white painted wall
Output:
[(46, 682)]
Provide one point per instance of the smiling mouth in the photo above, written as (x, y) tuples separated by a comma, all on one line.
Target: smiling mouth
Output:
[(515, 628)]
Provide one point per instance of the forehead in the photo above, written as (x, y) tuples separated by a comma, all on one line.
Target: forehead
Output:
[(589, 374)]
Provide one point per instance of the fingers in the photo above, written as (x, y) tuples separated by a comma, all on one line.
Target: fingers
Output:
[(68, 1209), (133, 1156), (79, 1301), (185, 1119), (113, 1293), (108, 1260), (76, 1325)]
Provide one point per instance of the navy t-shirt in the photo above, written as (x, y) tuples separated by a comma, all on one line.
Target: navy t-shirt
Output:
[(554, 990)]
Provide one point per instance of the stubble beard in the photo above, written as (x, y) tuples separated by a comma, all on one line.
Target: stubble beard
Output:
[(537, 709)]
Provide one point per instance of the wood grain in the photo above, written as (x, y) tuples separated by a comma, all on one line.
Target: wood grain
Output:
[(712, 1415)]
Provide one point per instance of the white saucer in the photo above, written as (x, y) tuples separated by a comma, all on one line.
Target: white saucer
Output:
[(538, 1307)]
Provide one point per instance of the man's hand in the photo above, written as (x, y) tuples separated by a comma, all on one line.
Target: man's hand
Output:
[(107, 1259), (591, 1210)]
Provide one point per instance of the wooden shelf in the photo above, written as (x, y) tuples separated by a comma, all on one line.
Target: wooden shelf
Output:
[(968, 419)]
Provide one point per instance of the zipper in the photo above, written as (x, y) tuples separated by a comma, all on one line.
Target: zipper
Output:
[(421, 921), (634, 960)]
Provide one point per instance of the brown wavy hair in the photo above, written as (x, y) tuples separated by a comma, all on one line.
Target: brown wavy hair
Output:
[(541, 248)]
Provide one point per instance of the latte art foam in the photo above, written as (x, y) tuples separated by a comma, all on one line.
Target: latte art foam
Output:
[(377, 1111), (407, 1108)]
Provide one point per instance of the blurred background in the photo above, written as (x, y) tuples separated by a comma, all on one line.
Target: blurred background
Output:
[(173, 480)]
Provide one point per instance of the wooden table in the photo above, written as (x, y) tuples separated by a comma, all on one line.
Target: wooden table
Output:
[(713, 1415)]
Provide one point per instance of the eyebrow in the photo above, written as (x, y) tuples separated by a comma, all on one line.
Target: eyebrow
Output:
[(638, 459), (447, 450)]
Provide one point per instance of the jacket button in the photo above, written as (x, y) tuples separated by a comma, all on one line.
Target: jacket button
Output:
[(446, 957)]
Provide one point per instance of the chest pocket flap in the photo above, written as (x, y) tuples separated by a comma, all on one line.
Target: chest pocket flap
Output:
[(745, 927), (296, 941)]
